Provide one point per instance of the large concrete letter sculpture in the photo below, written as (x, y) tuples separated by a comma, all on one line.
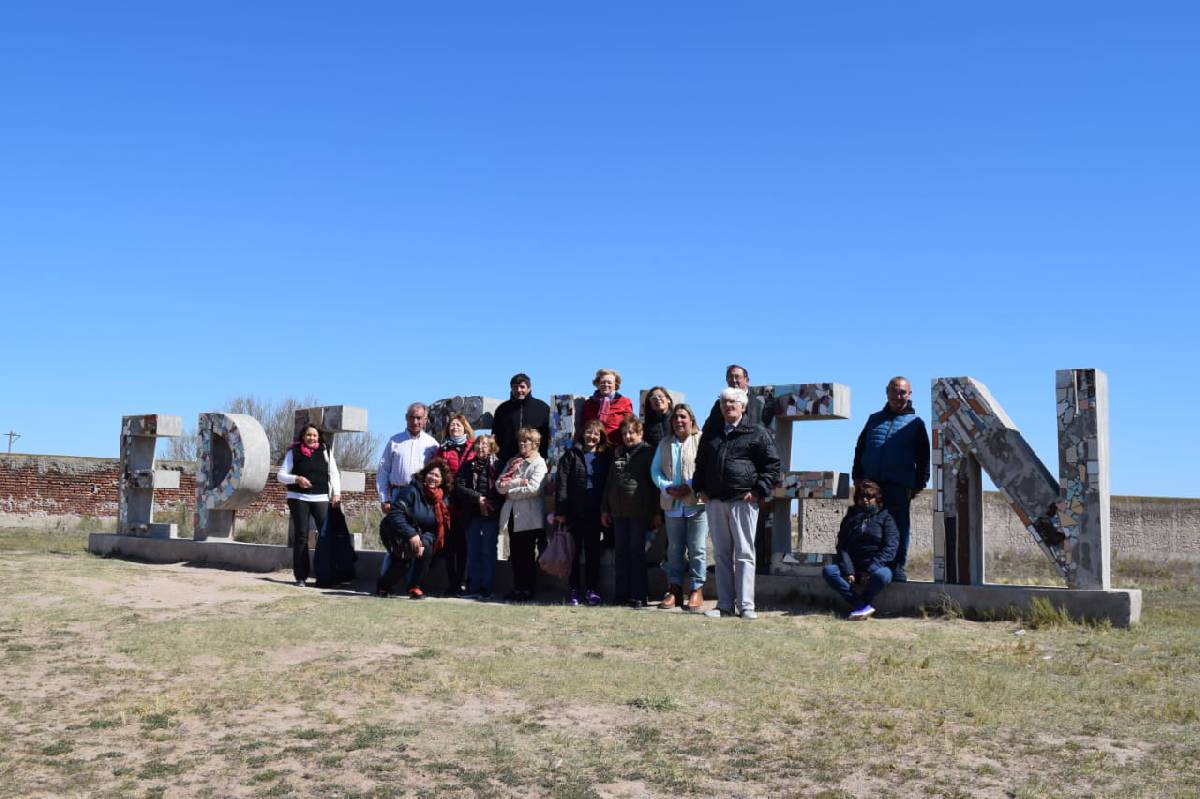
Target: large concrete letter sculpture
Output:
[(231, 470), (478, 410), (1069, 518), (139, 478), (566, 411), (331, 420), (800, 402)]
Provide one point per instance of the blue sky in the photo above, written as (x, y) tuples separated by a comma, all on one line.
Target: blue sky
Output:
[(380, 202)]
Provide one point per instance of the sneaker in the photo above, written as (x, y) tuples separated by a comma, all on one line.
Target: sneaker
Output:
[(898, 575), (416, 593), (593, 599), (573, 600), (719, 613), (379, 592), (637, 604), (749, 614), (300, 584), (862, 614)]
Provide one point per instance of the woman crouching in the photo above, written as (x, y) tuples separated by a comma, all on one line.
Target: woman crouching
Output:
[(416, 527)]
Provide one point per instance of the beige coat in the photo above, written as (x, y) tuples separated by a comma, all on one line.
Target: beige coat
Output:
[(523, 495)]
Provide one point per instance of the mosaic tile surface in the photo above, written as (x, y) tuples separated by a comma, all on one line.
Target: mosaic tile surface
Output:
[(232, 463), (139, 478), (1067, 518)]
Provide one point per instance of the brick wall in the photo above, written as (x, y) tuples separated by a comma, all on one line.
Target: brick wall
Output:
[(59, 490)]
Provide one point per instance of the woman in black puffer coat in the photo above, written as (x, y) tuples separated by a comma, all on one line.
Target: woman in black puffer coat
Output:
[(579, 488)]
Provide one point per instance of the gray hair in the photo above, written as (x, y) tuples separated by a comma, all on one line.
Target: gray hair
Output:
[(736, 394), (415, 406)]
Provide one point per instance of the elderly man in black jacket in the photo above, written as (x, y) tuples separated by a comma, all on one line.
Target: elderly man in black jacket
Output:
[(736, 468)]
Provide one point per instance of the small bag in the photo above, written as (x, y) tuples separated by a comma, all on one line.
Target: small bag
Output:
[(558, 556)]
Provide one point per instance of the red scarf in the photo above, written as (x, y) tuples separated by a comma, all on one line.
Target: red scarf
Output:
[(305, 451), (442, 513)]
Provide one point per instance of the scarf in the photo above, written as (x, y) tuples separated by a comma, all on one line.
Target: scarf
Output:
[(457, 441), (436, 497), (305, 451)]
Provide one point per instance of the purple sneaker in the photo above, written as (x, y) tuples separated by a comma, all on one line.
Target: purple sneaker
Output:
[(593, 599), (574, 598)]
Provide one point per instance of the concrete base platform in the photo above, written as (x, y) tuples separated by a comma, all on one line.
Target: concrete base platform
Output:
[(801, 586), (805, 585)]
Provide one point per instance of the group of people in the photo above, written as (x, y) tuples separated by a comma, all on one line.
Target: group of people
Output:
[(626, 479)]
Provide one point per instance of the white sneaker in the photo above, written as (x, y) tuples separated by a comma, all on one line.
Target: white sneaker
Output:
[(749, 614), (717, 613), (862, 614)]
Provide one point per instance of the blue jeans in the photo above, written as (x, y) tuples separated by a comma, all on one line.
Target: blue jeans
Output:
[(896, 499), (690, 532), (879, 580), (482, 534)]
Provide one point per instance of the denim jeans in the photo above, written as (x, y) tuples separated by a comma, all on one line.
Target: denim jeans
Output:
[(482, 534), (690, 533), (879, 580)]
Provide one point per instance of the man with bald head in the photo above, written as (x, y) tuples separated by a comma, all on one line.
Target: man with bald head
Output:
[(893, 451)]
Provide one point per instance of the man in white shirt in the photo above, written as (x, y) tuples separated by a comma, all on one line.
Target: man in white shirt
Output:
[(404, 455)]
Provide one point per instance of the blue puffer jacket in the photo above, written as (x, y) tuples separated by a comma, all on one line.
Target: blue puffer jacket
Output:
[(893, 448)]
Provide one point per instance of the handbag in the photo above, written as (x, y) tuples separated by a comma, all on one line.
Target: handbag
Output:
[(558, 556)]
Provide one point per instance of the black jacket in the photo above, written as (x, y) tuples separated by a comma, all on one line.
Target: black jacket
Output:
[(411, 514), (730, 464), (867, 539), (477, 478), (630, 491), (571, 497), (656, 427), (514, 414)]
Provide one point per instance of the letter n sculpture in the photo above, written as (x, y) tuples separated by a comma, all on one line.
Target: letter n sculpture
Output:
[(231, 469), (1068, 518)]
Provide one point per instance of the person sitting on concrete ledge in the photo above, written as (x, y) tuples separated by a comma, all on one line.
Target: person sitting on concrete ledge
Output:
[(866, 543)]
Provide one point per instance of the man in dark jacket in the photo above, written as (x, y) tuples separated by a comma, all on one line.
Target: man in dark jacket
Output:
[(736, 469), (521, 410), (736, 376), (893, 451)]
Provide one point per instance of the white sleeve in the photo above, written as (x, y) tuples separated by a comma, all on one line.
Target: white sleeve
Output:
[(284, 475), (335, 478)]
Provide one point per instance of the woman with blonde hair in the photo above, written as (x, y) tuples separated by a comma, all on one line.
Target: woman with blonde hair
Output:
[(607, 404), (456, 450), (521, 485)]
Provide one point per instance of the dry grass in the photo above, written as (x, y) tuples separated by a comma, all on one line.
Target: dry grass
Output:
[(126, 679)]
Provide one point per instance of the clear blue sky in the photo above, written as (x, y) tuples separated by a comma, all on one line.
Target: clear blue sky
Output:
[(381, 202)]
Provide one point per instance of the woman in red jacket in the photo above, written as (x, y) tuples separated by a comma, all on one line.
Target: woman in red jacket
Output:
[(607, 404), (456, 450)]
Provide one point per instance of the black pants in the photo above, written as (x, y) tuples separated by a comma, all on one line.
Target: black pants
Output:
[(403, 560), (454, 553), (586, 532), (522, 556), (300, 511)]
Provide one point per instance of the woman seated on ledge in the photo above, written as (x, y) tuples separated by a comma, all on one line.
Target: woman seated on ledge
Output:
[(311, 476), (416, 527), (866, 542)]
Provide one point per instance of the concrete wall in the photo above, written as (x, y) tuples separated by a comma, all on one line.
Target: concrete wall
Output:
[(1141, 526), (58, 491)]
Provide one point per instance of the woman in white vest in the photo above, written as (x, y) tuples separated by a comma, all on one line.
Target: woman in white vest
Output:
[(687, 524)]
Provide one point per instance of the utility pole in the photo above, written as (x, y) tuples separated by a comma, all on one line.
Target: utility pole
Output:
[(11, 438)]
